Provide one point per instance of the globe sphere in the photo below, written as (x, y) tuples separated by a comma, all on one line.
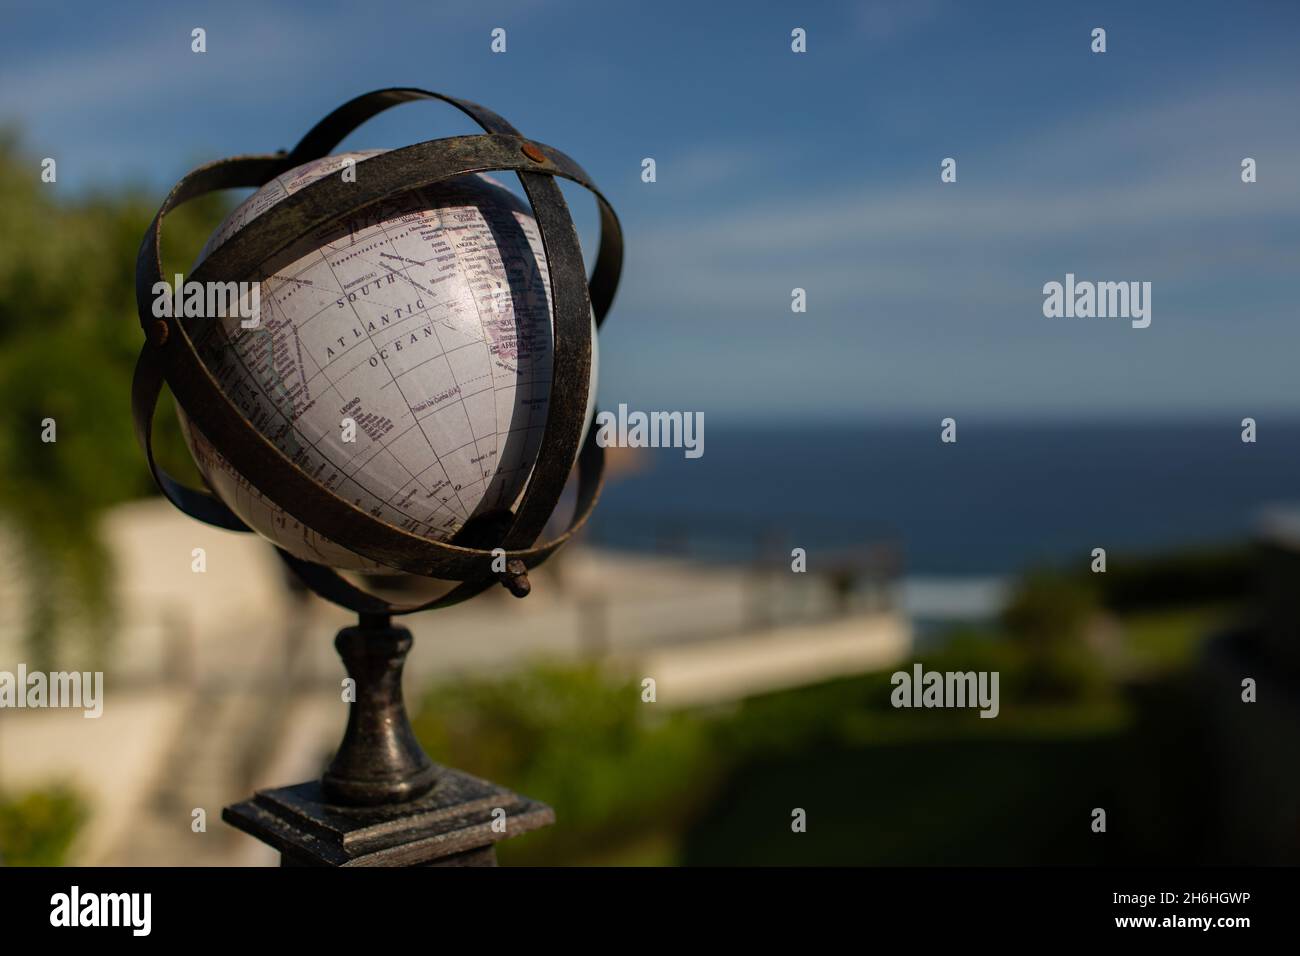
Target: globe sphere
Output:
[(402, 359)]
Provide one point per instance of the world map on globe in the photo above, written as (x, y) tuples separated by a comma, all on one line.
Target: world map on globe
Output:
[(402, 359)]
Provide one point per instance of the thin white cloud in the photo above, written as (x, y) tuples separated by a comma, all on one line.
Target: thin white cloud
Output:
[(1074, 189)]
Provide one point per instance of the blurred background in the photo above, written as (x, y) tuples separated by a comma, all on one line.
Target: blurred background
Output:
[(775, 171)]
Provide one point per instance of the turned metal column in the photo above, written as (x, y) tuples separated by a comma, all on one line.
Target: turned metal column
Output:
[(383, 802), (379, 761)]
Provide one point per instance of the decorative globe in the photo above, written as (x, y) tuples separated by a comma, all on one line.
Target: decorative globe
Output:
[(402, 359)]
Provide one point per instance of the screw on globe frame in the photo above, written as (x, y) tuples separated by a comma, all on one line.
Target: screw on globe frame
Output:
[(383, 801)]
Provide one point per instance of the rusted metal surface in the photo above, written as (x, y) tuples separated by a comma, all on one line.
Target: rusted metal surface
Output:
[(533, 153)]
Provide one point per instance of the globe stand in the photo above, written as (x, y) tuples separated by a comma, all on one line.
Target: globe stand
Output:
[(383, 802)]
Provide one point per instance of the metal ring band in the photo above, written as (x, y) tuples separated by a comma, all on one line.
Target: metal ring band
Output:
[(321, 207)]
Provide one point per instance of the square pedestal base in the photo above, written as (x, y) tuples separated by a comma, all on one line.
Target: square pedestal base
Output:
[(452, 825)]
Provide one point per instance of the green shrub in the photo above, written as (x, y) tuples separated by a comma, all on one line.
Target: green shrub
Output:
[(37, 827), (610, 766), (1046, 620)]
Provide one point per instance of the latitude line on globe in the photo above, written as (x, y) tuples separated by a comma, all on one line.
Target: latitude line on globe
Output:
[(415, 419), (432, 450), (390, 502), (438, 459), (441, 224), (303, 438), (461, 271)]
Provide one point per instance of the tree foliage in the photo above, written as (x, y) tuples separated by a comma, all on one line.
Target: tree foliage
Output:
[(68, 342)]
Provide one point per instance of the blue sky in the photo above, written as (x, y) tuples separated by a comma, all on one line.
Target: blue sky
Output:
[(778, 170)]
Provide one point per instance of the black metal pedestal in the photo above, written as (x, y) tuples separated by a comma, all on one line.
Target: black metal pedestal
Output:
[(382, 802)]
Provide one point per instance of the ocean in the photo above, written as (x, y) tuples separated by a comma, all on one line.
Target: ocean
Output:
[(1003, 497)]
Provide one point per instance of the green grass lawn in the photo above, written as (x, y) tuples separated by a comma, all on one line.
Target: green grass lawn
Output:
[(633, 786), (924, 788), (1168, 639), (950, 802), (1000, 799)]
